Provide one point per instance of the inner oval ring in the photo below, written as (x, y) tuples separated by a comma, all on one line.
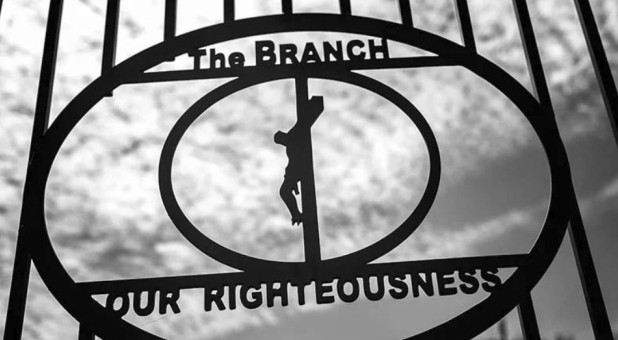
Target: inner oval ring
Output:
[(252, 264)]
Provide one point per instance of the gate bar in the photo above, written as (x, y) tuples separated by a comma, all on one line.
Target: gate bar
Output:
[(406, 13), (345, 7), (599, 62), (169, 28), (110, 39), (588, 275), (525, 310), (228, 10), (533, 57), (465, 24), (21, 267), (84, 333), (579, 241), (527, 319), (286, 7)]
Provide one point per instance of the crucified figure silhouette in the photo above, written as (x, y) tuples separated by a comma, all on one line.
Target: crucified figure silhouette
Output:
[(297, 142)]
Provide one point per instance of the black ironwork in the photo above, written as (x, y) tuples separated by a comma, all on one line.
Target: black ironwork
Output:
[(170, 19), (579, 240), (531, 51), (21, 268), (527, 318), (588, 275), (229, 10), (110, 39), (329, 276), (599, 62), (406, 12), (465, 24), (287, 6), (84, 333), (345, 7)]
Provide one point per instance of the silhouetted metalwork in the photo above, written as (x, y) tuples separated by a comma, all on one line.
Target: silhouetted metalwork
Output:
[(169, 27), (465, 24), (587, 274), (527, 318), (110, 39), (329, 276), (406, 12), (21, 268), (579, 241), (229, 10), (599, 62), (345, 7), (287, 6)]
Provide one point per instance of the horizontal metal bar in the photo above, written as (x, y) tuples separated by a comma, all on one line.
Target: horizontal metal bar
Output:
[(197, 281), (394, 63)]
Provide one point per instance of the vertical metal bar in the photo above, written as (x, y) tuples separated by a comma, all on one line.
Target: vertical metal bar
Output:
[(465, 23), (406, 12), (85, 333), (527, 319), (169, 28), (19, 290), (286, 6), (21, 268), (110, 39), (311, 234), (579, 241), (587, 274), (599, 61), (531, 50), (345, 7), (229, 10)]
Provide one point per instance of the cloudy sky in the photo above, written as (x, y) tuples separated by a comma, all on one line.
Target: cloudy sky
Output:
[(107, 221)]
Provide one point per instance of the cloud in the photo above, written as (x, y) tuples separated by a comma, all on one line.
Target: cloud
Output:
[(610, 190)]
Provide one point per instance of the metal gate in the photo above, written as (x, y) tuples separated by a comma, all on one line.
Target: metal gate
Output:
[(31, 245)]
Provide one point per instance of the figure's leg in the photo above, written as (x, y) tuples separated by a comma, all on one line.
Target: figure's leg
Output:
[(286, 192)]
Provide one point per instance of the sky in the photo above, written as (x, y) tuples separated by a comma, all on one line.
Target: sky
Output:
[(106, 219)]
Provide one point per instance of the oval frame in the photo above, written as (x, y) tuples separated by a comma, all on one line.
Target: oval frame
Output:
[(252, 264), (468, 324)]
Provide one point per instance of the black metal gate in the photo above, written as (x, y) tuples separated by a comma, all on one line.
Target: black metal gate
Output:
[(29, 245)]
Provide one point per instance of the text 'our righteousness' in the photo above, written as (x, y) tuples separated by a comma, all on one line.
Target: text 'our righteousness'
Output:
[(240, 293)]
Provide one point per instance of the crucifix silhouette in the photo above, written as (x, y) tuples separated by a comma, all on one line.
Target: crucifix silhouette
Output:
[(299, 177)]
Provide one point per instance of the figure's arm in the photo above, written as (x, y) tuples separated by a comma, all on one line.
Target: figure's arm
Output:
[(281, 138), (315, 107)]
